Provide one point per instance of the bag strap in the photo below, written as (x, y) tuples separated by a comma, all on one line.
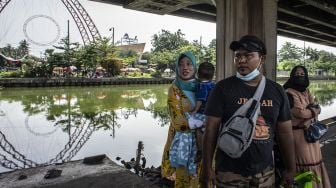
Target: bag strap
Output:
[(260, 90)]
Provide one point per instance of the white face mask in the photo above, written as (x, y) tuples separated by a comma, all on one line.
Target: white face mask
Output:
[(250, 76)]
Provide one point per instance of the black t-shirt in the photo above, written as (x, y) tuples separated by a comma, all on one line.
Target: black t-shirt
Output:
[(227, 96)]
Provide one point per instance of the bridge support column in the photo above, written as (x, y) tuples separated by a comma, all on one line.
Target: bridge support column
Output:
[(236, 18)]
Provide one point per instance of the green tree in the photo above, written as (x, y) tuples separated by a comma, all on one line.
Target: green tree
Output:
[(23, 49), (88, 58), (203, 53), (311, 56), (290, 52), (326, 61), (167, 46), (210, 55), (195, 48), (129, 56), (212, 44), (99, 52), (103, 48), (107, 56), (8, 50), (289, 55), (49, 52), (286, 65), (146, 56), (210, 52), (112, 65), (165, 40), (164, 59), (50, 59), (69, 50)]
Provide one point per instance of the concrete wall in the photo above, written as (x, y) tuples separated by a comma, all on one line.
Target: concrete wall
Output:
[(50, 82)]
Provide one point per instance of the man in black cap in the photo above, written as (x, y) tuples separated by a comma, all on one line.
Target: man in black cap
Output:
[(254, 168)]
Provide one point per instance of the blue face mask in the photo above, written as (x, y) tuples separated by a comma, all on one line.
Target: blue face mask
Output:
[(250, 76)]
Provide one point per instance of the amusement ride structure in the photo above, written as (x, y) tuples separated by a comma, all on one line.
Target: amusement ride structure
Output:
[(84, 23), (10, 157)]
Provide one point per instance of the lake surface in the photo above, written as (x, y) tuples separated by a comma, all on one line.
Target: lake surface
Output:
[(50, 125)]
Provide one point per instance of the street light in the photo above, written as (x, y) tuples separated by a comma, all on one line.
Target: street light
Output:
[(112, 29)]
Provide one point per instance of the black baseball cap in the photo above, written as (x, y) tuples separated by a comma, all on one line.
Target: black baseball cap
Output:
[(250, 43)]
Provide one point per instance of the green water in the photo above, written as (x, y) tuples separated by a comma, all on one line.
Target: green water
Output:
[(48, 125)]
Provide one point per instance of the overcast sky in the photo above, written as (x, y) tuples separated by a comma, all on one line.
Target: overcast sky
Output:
[(19, 16)]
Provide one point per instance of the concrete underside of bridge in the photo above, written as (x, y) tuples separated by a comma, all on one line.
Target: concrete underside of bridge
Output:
[(307, 20)]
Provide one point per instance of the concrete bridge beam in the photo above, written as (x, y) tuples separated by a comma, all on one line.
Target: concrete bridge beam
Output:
[(236, 18)]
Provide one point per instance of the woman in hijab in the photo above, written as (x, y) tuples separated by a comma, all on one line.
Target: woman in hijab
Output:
[(180, 150), (304, 110)]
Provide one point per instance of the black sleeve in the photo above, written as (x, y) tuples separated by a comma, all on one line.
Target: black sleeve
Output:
[(290, 100), (284, 112)]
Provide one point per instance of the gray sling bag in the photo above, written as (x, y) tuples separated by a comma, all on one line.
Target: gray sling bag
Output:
[(236, 134)]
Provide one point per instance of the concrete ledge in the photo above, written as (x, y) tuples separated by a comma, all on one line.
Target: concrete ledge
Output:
[(76, 174), (310, 78), (55, 82)]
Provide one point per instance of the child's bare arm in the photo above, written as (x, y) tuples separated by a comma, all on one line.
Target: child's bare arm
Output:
[(197, 107)]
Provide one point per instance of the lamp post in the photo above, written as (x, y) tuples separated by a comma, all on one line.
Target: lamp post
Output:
[(112, 29)]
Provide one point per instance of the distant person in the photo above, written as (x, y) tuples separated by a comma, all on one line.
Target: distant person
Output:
[(178, 161), (304, 109), (205, 73), (254, 168)]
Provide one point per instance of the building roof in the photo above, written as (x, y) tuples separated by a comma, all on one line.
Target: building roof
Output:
[(10, 58)]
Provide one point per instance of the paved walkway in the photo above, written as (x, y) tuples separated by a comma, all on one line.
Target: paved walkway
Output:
[(329, 155), (75, 174), (108, 174)]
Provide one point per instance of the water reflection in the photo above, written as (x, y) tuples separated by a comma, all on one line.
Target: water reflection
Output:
[(324, 92), (7, 162), (79, 127), (75, 112), (41, 126)]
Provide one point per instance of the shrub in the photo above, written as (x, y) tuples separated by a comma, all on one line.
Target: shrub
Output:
[(11, 74), (156, 74)]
